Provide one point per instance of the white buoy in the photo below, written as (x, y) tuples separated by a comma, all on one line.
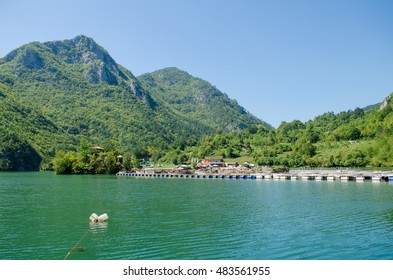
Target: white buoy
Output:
[(103, 217), (95, 218)]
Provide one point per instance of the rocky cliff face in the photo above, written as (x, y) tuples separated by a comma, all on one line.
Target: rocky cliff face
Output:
[(385, 102), (85, 51), (80, 50), (90, 60), (27, 56)]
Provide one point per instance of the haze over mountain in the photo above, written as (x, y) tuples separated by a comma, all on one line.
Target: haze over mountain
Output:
[(54, 94)]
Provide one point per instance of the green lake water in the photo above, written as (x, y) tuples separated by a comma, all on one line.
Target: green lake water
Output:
[(43, 215)]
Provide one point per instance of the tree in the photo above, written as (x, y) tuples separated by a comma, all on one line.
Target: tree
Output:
[(63, 162)]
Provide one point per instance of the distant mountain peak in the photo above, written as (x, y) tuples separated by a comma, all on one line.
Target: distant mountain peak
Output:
[(199, 98), (80, 50), (83, 39), (84, 50), (101, 67), (92, 61), (172, 75)]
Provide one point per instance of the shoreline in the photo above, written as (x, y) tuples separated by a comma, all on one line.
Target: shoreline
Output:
[(233, 173)]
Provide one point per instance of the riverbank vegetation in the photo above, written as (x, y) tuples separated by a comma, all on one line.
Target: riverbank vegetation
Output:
[(354, 138)]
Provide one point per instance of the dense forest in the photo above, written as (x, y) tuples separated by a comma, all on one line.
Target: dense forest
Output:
[(355, 138), (55, 95), (60, 99)]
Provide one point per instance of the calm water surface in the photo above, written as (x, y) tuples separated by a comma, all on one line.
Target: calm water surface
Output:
[(42, 216)]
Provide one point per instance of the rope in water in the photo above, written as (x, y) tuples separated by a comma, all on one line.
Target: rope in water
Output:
[(77, 243)]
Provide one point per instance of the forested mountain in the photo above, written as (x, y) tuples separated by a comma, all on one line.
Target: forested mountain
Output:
[(58, 99), (198, 99), (355, 138), (53, 95)]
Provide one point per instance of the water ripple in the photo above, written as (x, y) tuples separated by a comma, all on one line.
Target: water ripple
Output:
[(194, 219)]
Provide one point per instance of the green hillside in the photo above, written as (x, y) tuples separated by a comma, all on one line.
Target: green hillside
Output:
[(53, 95), (59, 99), (355, 138), (198, 99)]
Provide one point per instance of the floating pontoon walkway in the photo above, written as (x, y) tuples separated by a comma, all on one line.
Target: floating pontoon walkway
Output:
[(357, 176), (197, 176)]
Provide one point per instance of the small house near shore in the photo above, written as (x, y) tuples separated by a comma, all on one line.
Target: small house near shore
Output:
[(217, 162), (232, 164)]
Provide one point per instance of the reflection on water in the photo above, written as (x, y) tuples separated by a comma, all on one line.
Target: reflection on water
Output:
[(98, 227)]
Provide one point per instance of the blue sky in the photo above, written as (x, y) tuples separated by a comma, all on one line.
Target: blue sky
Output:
[(281, 60)]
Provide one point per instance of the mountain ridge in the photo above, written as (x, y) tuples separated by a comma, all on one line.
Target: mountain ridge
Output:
[(97, 65), (78, 87), (57, 96), (192, 95)]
